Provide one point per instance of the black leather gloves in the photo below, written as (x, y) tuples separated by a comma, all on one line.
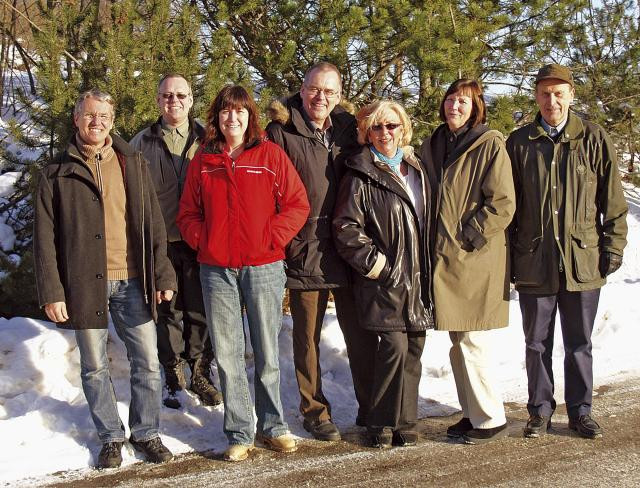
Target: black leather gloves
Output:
[(609, 263)]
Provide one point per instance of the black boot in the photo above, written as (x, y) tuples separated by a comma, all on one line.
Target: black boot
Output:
[(201, 383), (175, 381)]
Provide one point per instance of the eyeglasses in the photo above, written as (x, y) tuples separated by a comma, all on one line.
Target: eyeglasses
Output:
[(101, 117), (179, 96), (314, 91), (390, 127)]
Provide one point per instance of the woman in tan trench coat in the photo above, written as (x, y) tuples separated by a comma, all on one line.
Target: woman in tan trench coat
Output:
[(473, 200)]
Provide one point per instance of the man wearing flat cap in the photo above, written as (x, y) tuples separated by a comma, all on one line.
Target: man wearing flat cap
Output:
[(567, 236)]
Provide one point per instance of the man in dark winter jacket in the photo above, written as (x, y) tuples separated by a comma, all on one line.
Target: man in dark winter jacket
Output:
[(567, 236), (168, 145), (317, 135), (99, 247)]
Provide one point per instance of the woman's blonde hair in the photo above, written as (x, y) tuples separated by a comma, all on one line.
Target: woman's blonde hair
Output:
[(376, 112)]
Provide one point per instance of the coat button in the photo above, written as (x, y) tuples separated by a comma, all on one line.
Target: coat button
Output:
[(99, 276), (99, 313), (98, 236)]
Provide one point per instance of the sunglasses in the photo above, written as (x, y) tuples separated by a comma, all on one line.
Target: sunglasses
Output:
[(389, 127), (179, 96)]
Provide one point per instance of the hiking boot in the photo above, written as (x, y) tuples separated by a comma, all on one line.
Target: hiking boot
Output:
[(237, 452), (153, 449), (460, 428), (380, 439), (201, 383), (537, 426), (404, 438), (282, 443), (110, 455), (585, 426), (323, 430), (482, 436), (175, 381)]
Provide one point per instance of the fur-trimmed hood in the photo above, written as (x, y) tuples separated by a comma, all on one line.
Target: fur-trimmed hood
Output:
[(279, 111)]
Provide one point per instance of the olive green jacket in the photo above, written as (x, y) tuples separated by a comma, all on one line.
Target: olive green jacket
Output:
[(475, 204), (556, 230)]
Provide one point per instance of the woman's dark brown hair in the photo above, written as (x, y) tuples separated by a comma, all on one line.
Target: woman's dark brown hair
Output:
[(229, 98), (473, 90)]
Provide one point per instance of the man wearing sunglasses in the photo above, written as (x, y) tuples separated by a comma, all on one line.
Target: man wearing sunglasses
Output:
[(317, 134), (168, 145)]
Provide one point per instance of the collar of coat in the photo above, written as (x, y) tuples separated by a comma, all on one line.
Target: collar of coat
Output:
[(196, 129), (574, 129), (289, 112), (427, 155), (120, 146), (364, 162), (465, 142), (214, 148)]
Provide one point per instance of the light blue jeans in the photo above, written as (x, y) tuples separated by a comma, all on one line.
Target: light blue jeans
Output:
[(260, 289), (133, 323)]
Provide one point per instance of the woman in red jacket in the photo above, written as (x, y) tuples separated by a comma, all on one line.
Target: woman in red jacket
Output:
[(242, 203)]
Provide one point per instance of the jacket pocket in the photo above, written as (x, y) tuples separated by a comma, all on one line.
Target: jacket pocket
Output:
[(528, 264), (586, 254)]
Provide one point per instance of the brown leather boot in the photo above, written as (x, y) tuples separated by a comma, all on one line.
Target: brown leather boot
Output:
[(201, 383), (175, 381)]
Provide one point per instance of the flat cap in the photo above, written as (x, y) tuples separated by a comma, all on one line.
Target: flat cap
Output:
[(555, 71)]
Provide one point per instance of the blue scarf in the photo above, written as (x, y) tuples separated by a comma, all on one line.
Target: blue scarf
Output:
[(393, 163)]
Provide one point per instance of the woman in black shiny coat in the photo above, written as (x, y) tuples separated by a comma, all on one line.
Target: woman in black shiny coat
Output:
[(380, 228)]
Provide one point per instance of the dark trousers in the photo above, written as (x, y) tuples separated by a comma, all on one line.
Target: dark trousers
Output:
[(577, 315), (182, 327), (396, 377), (307, 311)]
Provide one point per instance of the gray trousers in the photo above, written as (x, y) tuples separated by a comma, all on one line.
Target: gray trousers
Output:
[(577, 315)]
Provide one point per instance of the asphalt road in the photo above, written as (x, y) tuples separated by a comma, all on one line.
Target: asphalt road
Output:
[(560, 458)]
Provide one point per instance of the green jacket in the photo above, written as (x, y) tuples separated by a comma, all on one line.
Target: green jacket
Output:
[(475, 204), (570, 206)]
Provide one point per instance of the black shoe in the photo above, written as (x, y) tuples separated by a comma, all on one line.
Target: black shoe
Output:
[(404, 438), (381, 439), (322, 430), (460, 428), (154, 450), (482, 436), (585, 426), (537, 426), (110, 455)]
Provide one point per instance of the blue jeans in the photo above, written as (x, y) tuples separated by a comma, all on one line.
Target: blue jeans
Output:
[(133, 323), (260, 289)]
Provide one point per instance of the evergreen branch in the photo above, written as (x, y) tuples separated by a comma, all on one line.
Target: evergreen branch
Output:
[(36, 27)]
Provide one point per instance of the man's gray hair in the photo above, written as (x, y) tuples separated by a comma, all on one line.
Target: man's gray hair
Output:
[(97, 95), (322, 66)]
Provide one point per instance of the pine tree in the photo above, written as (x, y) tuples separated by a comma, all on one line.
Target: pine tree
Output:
[(122, 48)]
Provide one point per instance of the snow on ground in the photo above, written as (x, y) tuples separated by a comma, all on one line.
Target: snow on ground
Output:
[(45, 425)]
